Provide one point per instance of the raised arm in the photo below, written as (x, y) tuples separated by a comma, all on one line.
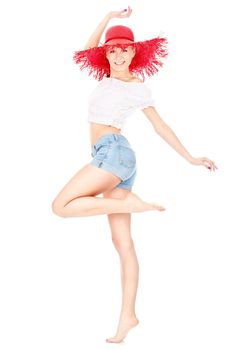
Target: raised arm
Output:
[(96, 35)]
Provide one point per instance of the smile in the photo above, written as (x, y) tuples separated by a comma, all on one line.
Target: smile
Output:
[(119, 64)]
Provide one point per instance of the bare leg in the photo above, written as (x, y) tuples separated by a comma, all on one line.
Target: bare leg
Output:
[(90, 206), (78, 197), (122, 240), (130, 272)]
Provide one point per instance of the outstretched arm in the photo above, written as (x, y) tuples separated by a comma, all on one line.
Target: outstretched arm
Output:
[(170, 137), (96, 36)]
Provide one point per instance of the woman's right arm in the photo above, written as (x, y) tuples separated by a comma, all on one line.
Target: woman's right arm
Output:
[(96, 36)]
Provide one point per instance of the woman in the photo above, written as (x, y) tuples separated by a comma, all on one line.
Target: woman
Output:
[(113, 168)]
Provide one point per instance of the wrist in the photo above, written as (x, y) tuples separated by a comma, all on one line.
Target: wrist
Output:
[(108, 16), (191, 160)]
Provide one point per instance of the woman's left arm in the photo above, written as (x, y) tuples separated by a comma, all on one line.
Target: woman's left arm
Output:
[(170, 137)]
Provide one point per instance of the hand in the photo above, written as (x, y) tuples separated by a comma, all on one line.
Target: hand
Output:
[(120, 14), (204, 161)]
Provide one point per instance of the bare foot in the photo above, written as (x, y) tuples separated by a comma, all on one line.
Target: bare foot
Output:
[(124, 326), (136, 204)]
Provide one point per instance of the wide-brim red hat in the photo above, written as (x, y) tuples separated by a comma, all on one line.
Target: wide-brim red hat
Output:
[(147, 60)]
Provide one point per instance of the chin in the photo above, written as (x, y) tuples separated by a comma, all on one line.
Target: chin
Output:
[(120, 69)]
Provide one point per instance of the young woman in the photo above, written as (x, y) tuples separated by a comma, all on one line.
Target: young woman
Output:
[(113, 168)]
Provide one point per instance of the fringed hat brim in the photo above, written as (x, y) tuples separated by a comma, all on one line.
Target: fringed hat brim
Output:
[(147, 60)]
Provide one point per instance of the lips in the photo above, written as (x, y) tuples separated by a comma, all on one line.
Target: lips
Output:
[(119, 63)]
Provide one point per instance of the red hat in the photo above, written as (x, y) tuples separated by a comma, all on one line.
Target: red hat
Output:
[(147, 59), (119, 35)]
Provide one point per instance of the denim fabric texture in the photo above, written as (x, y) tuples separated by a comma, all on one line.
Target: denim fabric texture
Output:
[(113, 153)]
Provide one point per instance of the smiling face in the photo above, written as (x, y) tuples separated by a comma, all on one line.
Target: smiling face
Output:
[(120, 58)]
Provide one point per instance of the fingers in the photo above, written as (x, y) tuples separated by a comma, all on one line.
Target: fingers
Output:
[(213, 166), (126, 12), (129, 10), (122, 14), (210, 164)]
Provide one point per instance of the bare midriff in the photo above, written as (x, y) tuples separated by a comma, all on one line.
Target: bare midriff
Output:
[(97, 130)]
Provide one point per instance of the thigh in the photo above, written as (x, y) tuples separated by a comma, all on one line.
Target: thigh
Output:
[(88, 181), (120, 222)]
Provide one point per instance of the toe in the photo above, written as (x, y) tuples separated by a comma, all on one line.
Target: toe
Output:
[(113, 340)]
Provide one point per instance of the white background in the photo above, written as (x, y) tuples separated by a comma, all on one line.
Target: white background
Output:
[(60, 278)]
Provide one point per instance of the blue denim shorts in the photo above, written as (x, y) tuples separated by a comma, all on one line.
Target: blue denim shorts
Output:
[(113, 153)]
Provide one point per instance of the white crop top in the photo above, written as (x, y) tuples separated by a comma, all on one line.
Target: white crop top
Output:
[(113, 100)]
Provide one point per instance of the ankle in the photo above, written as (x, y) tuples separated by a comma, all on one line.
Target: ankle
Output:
[(128, 315)]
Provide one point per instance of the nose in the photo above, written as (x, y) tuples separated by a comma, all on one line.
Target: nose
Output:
[(118, 52)]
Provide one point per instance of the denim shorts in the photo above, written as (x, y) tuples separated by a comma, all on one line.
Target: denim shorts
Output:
[(113, 153)]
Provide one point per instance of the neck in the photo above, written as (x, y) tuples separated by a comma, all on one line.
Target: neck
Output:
[(121, 75)]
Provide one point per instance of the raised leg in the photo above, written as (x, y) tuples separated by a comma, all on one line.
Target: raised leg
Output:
[(78, 197)]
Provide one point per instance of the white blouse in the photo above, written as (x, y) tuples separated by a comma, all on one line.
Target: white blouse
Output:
[(113, 100)]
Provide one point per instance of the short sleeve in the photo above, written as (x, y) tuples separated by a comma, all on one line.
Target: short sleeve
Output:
[(146, 98)]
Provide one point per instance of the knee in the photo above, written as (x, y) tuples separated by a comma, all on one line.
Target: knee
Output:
[(123, 246), (57, 210)]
